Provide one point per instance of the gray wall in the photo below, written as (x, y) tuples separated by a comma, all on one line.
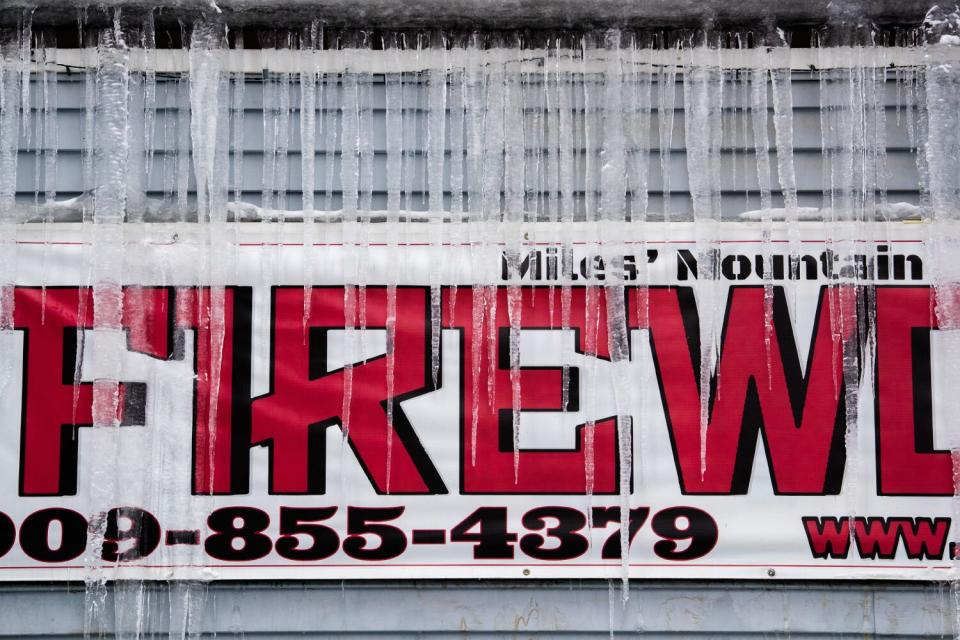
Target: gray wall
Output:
[(567, 609), (738, 179)]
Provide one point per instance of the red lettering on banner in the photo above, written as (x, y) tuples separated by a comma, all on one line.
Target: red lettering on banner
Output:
[(877, 537), (54, 405), (796, 412), (539, 472), (907, 463), (305, 398), (799, 417), (828, 537), (221, 429), (923, 537)]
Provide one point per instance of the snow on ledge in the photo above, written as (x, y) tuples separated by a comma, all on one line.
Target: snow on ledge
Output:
[(254, 61), (890, 211)]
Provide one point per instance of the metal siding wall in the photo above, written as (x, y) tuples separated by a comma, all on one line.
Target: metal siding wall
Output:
[(569, 609), (738, 174)]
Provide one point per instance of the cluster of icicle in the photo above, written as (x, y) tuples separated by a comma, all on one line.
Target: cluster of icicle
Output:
[(498, 129)]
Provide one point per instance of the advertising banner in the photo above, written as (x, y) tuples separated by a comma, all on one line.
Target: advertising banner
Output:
[(713, 403)]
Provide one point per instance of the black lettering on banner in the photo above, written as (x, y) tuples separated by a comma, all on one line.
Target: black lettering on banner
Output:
[(369, 521), (602, 516), (303, 521), (8, 534), (570, 543), (429, 536), (35, 535), (252, 523), (700, 530), (143, 529), (493, 541), (182, 536)]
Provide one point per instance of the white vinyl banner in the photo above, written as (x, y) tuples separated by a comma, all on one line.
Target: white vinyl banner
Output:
[(480, 407)]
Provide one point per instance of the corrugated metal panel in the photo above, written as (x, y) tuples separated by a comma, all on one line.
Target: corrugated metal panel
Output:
[(570, 609), (567, 609), (738, 174)]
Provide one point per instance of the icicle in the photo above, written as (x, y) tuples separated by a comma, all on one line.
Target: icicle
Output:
[(148, 42), (26, 39), (39, 55), (590, 134), (10, 97), (759, 117), (942, 146), (611, 610), (849, 191), (209, 134), (237, 109), (51, 137), (875, 179), (702, 95), (365, 135), (365, 108), (457, 82), (551, 143), (205, 102), (188, 600), (308, 145), (475, 93), (411, 125), (89, 106), (282, 150), (567, 159), (531, 187), (128, 595), (273, 114), (476, 351), (514, 146), (639, 137), (51, 143), (493, 180), (331, 110), (106, 269), (350, 181), (349, 143), (436, 124), (827, 133), (393, 82), (613, 170), (782, 78), (420, 131), (136, 185), (183, 145), (613, 209), (666, 103)]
